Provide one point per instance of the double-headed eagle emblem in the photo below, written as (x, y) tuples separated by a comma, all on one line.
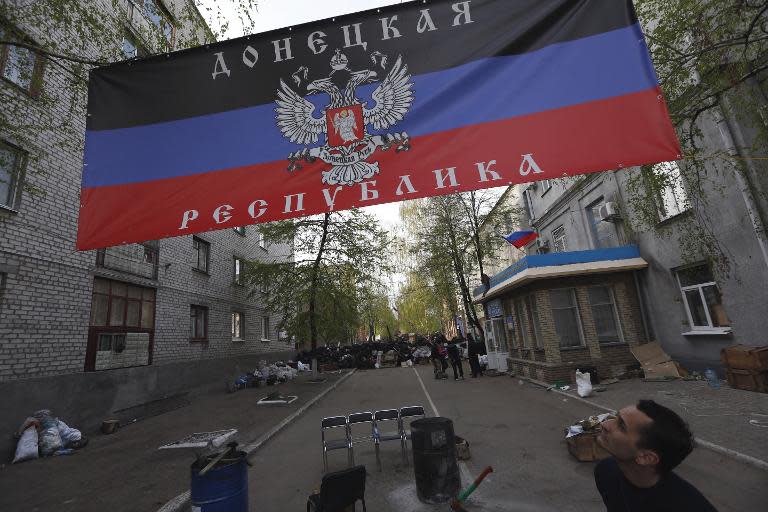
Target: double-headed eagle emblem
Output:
[(346, 118)]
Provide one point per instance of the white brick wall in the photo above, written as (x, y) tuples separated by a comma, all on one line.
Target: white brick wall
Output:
[(45, 306)]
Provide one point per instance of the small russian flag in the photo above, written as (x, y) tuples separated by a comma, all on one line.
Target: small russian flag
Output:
[(521, 238)]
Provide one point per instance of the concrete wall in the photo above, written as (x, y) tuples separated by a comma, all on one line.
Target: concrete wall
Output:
[(84, 400)]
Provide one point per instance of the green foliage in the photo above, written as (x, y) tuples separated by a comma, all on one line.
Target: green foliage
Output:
[(339, 262), (419, 308), (711, 57)]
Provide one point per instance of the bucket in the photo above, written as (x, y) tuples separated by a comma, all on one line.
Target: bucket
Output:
[(224, 488)]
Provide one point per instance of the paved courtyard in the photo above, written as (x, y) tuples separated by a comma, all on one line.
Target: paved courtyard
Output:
[(516, 428), (512, 425)]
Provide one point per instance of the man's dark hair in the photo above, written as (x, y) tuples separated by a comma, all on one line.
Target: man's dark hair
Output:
[(668, 435)]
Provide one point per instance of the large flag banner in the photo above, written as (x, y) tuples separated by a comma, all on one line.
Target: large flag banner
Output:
[(408, 101)]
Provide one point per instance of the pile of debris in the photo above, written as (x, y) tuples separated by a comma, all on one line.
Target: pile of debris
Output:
[(365, 356), (44, 435), (267, 375)]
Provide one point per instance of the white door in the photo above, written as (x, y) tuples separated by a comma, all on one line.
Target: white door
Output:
[(496, 344), (500, 340)]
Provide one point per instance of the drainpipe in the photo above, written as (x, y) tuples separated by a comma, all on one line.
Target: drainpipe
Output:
[(726, 132), (641, 299)]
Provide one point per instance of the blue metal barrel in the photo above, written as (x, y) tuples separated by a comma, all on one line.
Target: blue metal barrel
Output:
[(224, 488)]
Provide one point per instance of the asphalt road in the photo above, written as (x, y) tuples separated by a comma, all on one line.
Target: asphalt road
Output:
[(516, 428)]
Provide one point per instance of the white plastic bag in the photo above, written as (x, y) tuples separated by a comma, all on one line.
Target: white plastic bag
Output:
[(27, 447), (583, 383), (67, 433)]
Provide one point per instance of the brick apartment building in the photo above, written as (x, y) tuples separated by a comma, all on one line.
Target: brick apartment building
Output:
[(92, 333)]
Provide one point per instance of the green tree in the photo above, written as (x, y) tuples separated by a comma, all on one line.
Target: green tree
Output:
[(419, 308), (337, 256)]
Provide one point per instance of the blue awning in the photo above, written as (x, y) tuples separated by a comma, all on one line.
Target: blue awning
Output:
[(561, 264)]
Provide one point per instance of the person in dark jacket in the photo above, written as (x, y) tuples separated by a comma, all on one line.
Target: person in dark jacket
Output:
[(472, 354), (454, 355), (646, 441)]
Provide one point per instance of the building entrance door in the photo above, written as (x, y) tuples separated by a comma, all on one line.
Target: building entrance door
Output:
[(496, 344)]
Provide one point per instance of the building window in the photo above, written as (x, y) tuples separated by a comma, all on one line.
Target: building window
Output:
[(117, 304), (265, 334), (198, 325), (703, 303), (237, 325), (603, 232), (240, 230), (262, 242), (605, 314), (131, 47), (159, 17), (670, 193), (559, 242), (239, 266), (528, 201), (565, 312), (545, 186), (20, 66), (522, 324), (533, 311), (10, 174), (202, 250)]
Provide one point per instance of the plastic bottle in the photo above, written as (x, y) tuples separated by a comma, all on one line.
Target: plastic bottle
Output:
[(712, 378)]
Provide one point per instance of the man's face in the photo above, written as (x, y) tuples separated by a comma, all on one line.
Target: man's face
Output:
[(620, 436)]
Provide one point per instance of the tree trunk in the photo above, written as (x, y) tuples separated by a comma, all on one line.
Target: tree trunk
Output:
[(314, 285)]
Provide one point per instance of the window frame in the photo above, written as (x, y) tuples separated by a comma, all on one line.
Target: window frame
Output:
[(579, 323), (673, 172), (196, 244), (17, 176), (546, 186), (534, 320), (111, 295), (561, 231), (162, 11), (36, 80), (593, 225), (522, 323), (237, 273), (204, 310), (240, 230), (265, 328), (241, 314), (614, 309), (695, 329)]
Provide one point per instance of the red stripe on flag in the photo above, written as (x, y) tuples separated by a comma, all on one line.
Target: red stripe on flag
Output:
[(608, 134)]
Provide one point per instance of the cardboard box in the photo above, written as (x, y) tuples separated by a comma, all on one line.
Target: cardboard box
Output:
[(745, 357), (654, 361), (749, 380), (586, 448)]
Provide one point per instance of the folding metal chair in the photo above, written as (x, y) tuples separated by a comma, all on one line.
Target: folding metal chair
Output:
[(381, 435), (335, 444), (408, 413), (359, 418)]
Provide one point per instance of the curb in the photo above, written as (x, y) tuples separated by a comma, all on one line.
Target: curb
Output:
[(183, 500), (722, 450)]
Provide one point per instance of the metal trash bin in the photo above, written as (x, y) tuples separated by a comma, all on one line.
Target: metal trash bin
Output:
[(434, 460), (224, 488)]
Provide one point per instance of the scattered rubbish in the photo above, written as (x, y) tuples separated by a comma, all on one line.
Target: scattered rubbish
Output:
[(277, 399), (565, 387), (665, 378), (712, 379), (211, 440), (44, 435), (583, 384), (109, 426), (599, 389), (521, 382), (462, 448), (581, 438), (456, 503), (607, 382), (654, 361)]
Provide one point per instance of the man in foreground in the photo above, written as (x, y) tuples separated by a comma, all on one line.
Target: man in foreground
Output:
[(647, 442)]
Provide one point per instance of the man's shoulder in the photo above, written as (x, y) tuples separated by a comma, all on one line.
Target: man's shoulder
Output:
[(606, 469), (680, 488)]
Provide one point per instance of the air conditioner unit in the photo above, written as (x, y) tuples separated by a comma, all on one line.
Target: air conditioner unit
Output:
[(609, 212)]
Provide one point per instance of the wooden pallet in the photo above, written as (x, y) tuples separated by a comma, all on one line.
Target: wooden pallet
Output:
[(749, 380)]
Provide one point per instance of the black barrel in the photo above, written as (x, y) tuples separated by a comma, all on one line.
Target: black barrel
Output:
[(434, 460)]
